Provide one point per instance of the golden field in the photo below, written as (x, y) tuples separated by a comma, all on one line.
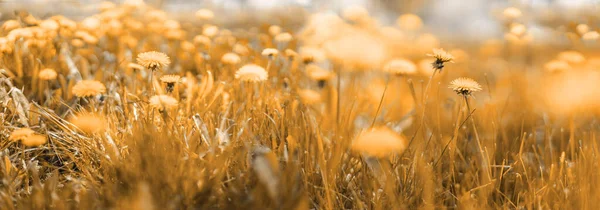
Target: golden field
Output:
[(132, 108)]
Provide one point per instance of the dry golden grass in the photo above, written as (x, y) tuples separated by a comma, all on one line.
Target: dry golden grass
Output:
[(130, 109)]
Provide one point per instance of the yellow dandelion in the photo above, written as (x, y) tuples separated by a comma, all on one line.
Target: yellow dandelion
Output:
[(441, 57), (210, 30), (571, 56), (20, 134), (312, 54), (355, 13), (283, 37), (400, 67), (163, 102), (290, 53), (308, 96), (251, 73), (47, 74), (464, 86), (582, 28), (202, 40), (88, 123), (274, 30), (88, 88), (592, 35), (270, 52), (409, 22), (153, 60), (135, 66), (205, 14), (34, 140), (557, 66), (379, 142), (231, 59), (512, 13), (171, 78), (9, 25), (317, 73)]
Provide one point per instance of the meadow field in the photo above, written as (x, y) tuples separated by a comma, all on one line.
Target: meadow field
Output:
[(133, 107)]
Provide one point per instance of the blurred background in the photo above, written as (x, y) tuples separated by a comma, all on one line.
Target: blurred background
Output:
[(451, 19)]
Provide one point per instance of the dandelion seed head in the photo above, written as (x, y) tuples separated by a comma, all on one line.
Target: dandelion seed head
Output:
[(464, 86), (400, 67), (230, 58), (88, 88), (205, 14), (379, 142), (47, 74), (251, 73), (270, 52), (88, 123), (170, 79), (409, 22), (163, 102), (283, 37), (153, 60)]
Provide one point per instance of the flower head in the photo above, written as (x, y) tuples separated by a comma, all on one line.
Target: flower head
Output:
[(34, 140), (231, 59), (308, 96), (400, 67), (318, 74), (270, 52), (153, 60), (171, 78), (251, 73), (441, 57), (571, 56), (20, 134), (163, 102), (557, 66), (283, 37), (379, 142), (88, 88), (464, 86), (88, 123), (47, 74), (205, 14)]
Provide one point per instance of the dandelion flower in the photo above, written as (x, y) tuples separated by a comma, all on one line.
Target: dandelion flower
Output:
[(135, 66), (20, 134), (210, 30), (47, 74), (290, 53), (163, 102), (274, 30), (34, 140), (512, 13), (88, 88), (153, 60), (441, 57), (317, 73), (355, 13), (231, 59), (379, 142), (311, 54), (202, 40), (557, 66), (283, 37), (170, 80), (582, 28), (309, 96), (251, 73), (270, 52), (571, 56), (205, 14), (592, 35), (410, 22), (464, 86), (400, 67), (88, 123)]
